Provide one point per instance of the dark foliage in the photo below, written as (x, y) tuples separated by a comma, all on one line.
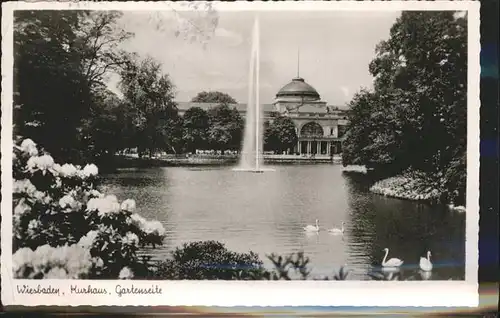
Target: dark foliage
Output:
[(226, 128), (280, 134), (61, 60), (149, 101), (416, 115), (195, 130), (213, 97), (210, 260)]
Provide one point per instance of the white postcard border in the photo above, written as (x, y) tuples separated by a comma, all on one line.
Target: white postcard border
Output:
[(258, 293)]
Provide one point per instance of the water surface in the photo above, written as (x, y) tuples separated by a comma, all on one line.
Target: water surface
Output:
[(266, 213)]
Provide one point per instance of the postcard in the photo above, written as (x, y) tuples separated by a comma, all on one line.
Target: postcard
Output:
[(240, 153)]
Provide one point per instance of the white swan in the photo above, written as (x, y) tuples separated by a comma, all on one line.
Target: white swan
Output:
[(393, 262), (337, 230), (425, 263), (312, 228)]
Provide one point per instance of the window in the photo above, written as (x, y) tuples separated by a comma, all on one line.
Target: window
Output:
[(311, 129)]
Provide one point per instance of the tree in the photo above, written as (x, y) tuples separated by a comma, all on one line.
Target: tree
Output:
[(99, 37), (379, 130), (51, 95), (226, 128), (149, 97), (60, 58), (195, 129), (170, 129), (213, 97), (416, 115), (426, 58), (267, 136), (105, 131), (280, 135)]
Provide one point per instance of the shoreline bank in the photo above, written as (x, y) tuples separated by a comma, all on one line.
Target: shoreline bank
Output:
[(405, 187), (172, 161), (413, 189)]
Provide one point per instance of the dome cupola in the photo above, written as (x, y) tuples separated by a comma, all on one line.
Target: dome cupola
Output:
[(298, 88)]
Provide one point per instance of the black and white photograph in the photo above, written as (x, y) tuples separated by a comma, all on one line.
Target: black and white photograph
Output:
[(203, 141)]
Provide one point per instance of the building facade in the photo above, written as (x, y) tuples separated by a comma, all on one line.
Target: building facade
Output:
[(320, 128)]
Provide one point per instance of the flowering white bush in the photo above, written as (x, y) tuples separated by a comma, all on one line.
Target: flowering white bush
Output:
[(52, 262), (65, 228)]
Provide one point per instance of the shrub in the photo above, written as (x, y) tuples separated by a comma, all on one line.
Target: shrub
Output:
[(210, 260), (297, 263), (64, 227)]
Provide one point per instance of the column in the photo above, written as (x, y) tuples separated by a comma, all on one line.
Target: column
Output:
[(308, 147), (318, 148), (298, 146), (328, 148)]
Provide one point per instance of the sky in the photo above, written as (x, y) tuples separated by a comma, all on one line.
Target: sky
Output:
[(335, 50)]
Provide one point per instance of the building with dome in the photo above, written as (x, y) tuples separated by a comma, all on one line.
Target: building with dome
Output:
[(320, 127)]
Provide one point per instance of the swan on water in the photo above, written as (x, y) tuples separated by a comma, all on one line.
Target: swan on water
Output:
[(337, 230), (425, 263), (312, 228), (393, 262)]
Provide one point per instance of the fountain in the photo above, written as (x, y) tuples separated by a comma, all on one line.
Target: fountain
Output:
[(251, 158)]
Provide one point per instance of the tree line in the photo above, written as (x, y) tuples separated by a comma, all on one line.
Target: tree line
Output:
[(415, 117), (63, 62)]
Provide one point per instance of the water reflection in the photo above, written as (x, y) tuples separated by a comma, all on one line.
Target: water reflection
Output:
[(425, 275), (266, 213), (408, 229)]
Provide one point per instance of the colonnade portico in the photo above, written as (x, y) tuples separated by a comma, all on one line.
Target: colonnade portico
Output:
[(319, 147)]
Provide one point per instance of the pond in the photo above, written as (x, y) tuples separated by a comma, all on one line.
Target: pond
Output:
[(266, 213)]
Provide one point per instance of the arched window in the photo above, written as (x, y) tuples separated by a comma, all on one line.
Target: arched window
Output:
[(311, 129)]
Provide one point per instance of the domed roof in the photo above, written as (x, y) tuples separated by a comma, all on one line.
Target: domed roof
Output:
[(298, 88)]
